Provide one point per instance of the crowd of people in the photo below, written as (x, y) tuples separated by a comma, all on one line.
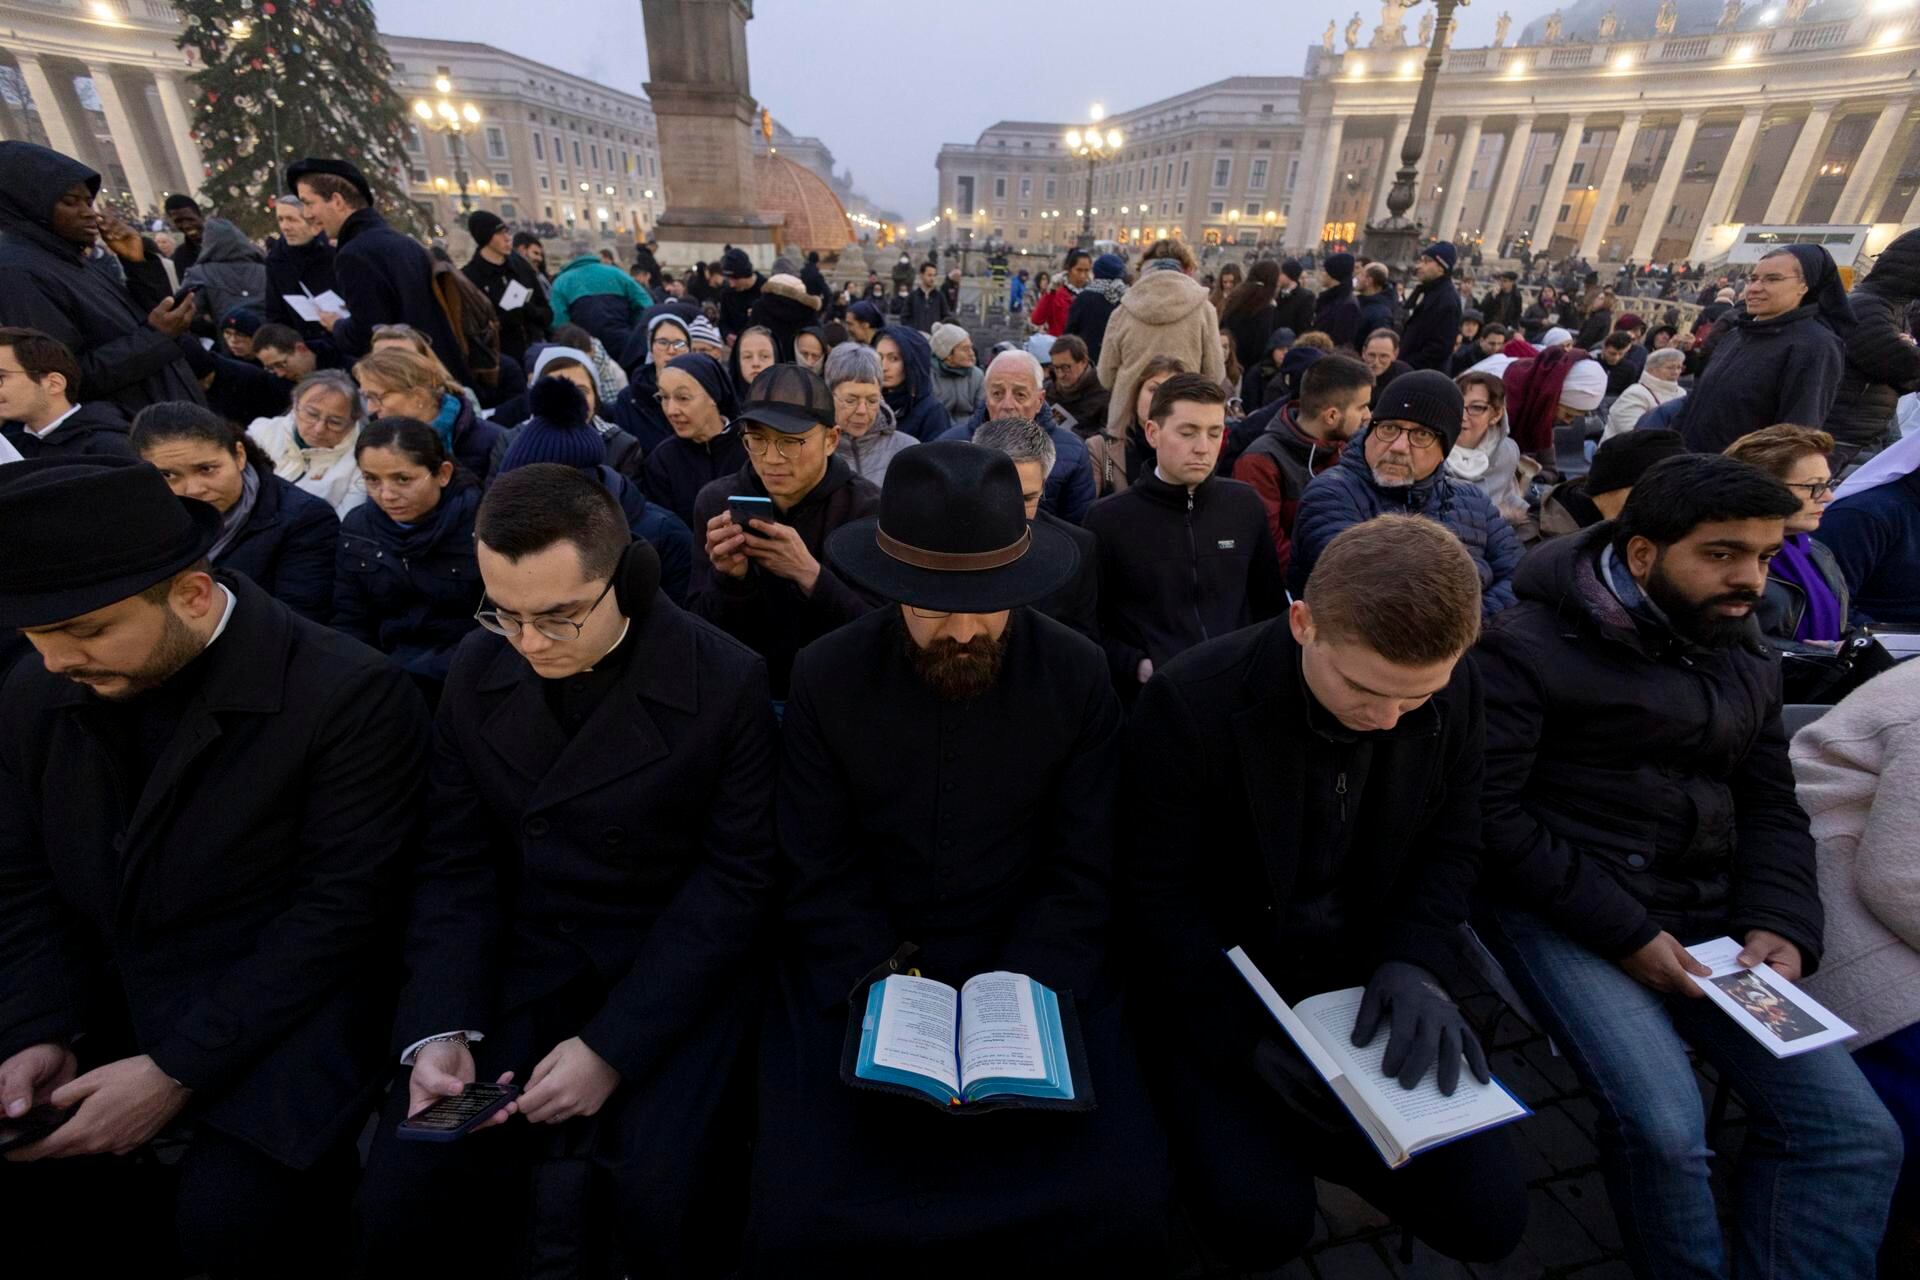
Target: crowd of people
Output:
[(421, 677)]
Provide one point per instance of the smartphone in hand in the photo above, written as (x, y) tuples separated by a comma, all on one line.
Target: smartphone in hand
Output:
[(743, 508), (33, 1126), (459, 1115)]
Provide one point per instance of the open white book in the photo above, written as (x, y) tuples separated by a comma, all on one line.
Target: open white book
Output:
[(1769, 1008), (1401, 1123)]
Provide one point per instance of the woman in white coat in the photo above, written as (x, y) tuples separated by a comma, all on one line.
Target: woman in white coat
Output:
[(311, 445)]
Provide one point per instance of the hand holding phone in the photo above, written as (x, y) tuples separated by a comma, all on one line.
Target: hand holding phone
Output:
[(33, 1126), (456, 1116), (745, 507)]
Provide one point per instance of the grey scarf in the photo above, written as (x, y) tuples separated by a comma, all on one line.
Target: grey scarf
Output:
[(237, 517)]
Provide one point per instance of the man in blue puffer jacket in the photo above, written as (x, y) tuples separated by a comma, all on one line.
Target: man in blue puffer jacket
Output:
[(1396, 466)]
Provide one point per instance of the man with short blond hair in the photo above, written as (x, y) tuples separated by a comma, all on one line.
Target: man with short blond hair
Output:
[(1309, 790)]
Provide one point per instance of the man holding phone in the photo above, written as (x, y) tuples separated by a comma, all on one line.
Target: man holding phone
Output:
[(599, 859), (763, 575)]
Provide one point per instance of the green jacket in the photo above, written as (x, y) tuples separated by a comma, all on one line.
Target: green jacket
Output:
[(585, 277)]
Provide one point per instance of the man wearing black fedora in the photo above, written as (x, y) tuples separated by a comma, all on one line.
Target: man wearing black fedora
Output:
[(948, 782), (206, 805)]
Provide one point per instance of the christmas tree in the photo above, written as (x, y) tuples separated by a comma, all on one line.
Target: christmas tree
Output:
[(283, 79)]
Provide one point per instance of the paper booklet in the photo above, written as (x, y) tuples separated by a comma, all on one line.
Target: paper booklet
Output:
[(1771, 1009), (513, 296), (1001, 1040), (1401, 1123), (308, 306)]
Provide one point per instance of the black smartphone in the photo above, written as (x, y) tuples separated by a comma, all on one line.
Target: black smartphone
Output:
[(181, 294), (31, 1127), (743, 508), (455, 1117)]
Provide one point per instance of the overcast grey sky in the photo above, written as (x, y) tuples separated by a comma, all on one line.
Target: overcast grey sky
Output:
[(885, 82)]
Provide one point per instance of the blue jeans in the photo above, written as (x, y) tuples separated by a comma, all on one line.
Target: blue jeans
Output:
[(1821, 1155)]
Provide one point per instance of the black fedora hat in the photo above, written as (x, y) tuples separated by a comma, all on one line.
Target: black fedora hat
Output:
[(83, 533), (952, 535)]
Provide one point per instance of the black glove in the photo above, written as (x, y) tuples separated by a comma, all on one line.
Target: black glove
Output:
[(1427, 1027)]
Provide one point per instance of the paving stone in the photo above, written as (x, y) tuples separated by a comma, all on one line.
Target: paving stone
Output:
[(1518, 1074), (1555, 1235), (1522, 1264), (1585, 1197), (1356, 1261), (1427, 1264), (1346, 1213), (1583, 1113), (1565, 1146), (1549, 1064)]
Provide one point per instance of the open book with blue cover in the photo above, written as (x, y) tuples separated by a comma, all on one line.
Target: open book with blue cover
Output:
[(1000, 1040)]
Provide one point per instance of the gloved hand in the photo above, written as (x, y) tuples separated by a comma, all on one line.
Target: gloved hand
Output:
[(1427, 1027)]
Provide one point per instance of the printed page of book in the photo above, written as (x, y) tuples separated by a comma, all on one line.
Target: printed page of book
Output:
[(1416, 1117), (1000, 1029), (916, 1030), (1782, 1017)]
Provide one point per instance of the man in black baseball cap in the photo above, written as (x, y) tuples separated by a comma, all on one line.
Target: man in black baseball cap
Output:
[(762, 574), (206, 802), (948, 782)]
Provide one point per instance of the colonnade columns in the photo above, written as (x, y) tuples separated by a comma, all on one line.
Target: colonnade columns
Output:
[(1557, 183), (180, 128), (1733, 173), (1648, 240), (53, 115), (1513, 156), (1455, 188), (1324, 173), (1866, 167), (1602, 214), (126, 138), (1390, 165), (1806, 151)]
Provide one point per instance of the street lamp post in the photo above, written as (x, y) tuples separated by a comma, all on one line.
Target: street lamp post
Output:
[(1095, 144), (444, 117), (1396, 240)]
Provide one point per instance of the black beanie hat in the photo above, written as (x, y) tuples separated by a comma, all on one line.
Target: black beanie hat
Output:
[(1623, 459), (1426, 398), (484, 226)]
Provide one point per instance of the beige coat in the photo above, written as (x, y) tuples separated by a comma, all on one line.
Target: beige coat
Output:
[(1642, 397), (1166, 313), (1857, 771)]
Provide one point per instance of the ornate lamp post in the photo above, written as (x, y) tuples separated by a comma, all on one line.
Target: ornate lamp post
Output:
[(444, 117), (1095, 144), (1396, 240)]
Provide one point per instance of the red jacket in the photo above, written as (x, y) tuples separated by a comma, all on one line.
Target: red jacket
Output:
[(1278, 464), (1050, 313)]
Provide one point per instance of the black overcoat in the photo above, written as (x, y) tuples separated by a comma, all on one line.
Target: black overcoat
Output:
[(385, 277), (239, 907), (288, 546)]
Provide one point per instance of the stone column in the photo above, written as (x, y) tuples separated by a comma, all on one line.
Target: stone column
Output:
[(1733, 175), (53, 111), (1664, 187), (1383, 185), (1456, 185), (1324, 172), (1913, 212), (180, 128), (1866, 167), (698, 81), (1512, 157), (1557, 183), (1609, 192), (1806, 152), (127, 143)]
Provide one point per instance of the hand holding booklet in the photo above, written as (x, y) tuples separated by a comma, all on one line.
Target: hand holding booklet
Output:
[(1001, 1039), (1782, 1017), (1401, 1123)]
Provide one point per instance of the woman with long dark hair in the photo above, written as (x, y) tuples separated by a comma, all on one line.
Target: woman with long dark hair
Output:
[(1248, 312)]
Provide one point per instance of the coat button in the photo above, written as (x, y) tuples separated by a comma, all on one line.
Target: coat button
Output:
[(537, 827), (1636, 860)]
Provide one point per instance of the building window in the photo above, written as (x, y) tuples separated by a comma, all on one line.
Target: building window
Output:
[(1533, 212), (1222, 171), (1257, 176), (1025, 215), (509, 210), (578, 163), (1186, 168), (415, 143), (1180, 209), (1546, 174), (999, 188), (1620, 215), (1565, 209), (502, 179), (1051, 185), (1293, 172), (594, 151), (1439, 166), (419, 175), (1579, 172), (1252, 209), (1216, 208), (539, 150), (1026, 188), (1225, 143), (496, 142), (545, 184)]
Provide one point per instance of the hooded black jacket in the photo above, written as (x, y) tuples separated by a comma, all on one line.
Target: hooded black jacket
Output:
[(677, 469), (47, 284), (1636, 782), (1337, 314), (1880, 366), (1433, 323), (1785, 368), (97, 428), (387, 278), (1177, 568)]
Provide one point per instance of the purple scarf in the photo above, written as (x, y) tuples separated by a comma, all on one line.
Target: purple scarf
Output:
[(1821, 619)]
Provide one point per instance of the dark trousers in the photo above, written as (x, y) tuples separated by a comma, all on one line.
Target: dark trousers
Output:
[(653, 1185), (1244, 1166), (213, 1205)]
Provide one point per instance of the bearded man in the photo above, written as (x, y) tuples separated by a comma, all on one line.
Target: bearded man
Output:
[(946, 801)]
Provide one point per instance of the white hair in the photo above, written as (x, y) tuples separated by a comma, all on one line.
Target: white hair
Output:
[(1026, 360), (1666, 354)]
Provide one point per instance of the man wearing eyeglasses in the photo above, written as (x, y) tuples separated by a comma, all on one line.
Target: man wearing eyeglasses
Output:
[(600, 858), (1394, 466), (767, 583)]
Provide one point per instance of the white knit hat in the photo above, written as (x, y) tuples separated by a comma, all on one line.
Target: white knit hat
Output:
[(1585, 387)]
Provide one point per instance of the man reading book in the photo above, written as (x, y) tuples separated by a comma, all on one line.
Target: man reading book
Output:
[(1309, 790), (598, 861), (1639, 800), (947, 783)]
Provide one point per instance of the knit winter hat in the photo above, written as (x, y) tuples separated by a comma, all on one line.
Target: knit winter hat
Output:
[(1291, 269), (735, 262), (1556, 337), (1585, 387), (1109, 266), (1442, 252), (945, 338), (867, 313), (484, 226), (1621, 460), (701, 329), (1339, 266), (1426, 398), (558, 430)]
